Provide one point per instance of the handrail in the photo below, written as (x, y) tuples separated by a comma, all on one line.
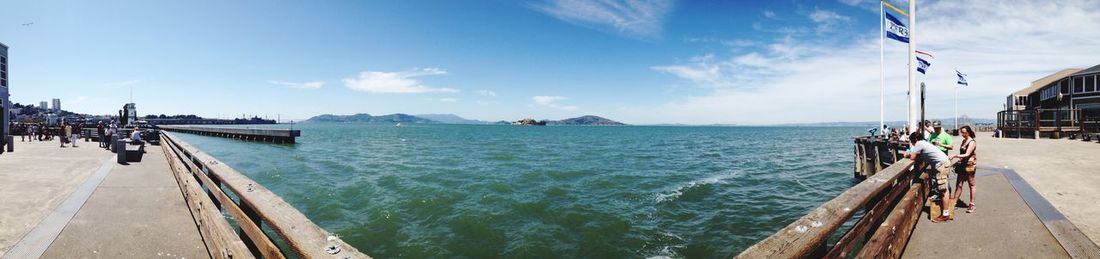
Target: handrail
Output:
[(803, 236), (892, 200), (257, 205)]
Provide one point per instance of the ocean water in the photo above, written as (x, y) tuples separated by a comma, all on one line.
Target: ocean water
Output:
[(501, 191)]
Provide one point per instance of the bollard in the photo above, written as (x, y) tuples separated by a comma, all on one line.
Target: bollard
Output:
[(111, 145), (120, 150), (11, 143)]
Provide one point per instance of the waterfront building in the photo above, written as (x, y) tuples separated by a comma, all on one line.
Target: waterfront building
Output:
[(5, 103), (1065, 101), (56, 105)]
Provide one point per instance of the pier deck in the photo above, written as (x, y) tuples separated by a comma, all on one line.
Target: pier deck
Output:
[(252, 134), (1003, 226), (78, 203)]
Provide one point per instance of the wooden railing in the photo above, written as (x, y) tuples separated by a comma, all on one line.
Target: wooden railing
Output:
[(892, 201), (207, 185), (872, 154)]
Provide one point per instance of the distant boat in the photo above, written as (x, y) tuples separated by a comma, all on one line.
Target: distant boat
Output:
[(398, 125)]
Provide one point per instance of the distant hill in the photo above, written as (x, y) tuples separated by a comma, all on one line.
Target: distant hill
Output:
[(587, 120), (363, 117), (451, 119)]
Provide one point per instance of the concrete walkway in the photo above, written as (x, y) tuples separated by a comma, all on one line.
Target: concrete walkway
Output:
[(1036, 199), (1003, 226), (135, 210)]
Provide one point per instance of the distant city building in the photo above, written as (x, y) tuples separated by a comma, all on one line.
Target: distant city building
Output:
[(5, 104), (42, 105), (56, 105)]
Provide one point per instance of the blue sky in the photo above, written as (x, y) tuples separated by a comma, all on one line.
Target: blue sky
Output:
[(695, 62)]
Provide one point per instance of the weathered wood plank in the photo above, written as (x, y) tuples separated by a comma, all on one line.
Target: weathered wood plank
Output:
[(305, 237), (262, 243), (862, 229), (802, 236), (218, 236)]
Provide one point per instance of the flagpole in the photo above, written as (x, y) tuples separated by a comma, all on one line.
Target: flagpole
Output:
[(881, 72), (914, 99), (956, 108)]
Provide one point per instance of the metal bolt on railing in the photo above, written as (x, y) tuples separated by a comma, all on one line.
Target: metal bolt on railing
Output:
[(250, 188), (332, 248)]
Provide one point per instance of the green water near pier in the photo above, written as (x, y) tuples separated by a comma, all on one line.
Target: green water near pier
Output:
[(489, 191)]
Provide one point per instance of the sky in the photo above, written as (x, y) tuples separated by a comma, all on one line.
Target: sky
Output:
[(639, 62)]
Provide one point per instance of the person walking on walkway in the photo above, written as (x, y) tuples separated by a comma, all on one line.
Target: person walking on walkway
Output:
[(61, 132), (967, 165), (925, 152), (74, 133), (101, 131)]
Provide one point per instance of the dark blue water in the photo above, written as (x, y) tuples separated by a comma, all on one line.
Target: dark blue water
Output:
[(488, 191)]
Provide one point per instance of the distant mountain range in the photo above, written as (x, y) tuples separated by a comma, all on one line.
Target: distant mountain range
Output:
[(363, 117), (452, 119), (589, 120)]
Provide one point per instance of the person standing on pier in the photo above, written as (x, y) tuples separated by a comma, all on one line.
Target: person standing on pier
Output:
[(61, 132), (74, 133), (100, 130), (967, 165), (923, 151), (940, 139)]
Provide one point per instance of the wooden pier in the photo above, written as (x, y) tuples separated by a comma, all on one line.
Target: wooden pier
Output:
[(175, 201), (1012, 221), (250, 134)]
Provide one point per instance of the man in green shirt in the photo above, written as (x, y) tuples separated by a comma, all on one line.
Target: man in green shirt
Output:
[(940, 139)]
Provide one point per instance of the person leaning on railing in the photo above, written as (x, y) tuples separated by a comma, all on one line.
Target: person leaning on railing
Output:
[(923, 151)]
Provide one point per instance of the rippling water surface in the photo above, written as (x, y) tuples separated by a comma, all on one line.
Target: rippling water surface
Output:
[(487, 191)]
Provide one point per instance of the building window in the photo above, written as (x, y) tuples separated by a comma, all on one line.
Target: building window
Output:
[(1090, 83), (1065, 86), (1078, 84)]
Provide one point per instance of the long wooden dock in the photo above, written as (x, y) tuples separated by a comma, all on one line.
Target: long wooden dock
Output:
[(1012, 220), (170, 201), (243, 133)]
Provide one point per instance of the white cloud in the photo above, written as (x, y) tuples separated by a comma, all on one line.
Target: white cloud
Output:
[(553, 102), (769, 14), (1002, 46), (827, 21), (305, 85), (402, 82), (450, 100), (486, 93), (630, 17)]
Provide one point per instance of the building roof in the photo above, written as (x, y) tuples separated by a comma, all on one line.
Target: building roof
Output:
[(1046, 80), (1092, 70)]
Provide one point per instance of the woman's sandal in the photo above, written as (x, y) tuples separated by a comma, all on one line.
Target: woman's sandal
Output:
[(971, 208)]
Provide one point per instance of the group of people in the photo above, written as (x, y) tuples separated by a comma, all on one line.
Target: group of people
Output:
[(932, 145), (33, 131), (69, 133)]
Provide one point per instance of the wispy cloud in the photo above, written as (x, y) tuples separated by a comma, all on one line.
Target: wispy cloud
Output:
[(827, 21), (486, 93), (634, 18), (813, 77), (402, 82), (305, 85), (553, 102)]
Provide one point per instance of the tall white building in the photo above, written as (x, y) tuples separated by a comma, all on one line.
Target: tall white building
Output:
[(56, 105), (42, 105)]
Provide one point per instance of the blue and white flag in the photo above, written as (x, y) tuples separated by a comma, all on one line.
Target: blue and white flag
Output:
[(962, 78), (895, 29), (922, 65)]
